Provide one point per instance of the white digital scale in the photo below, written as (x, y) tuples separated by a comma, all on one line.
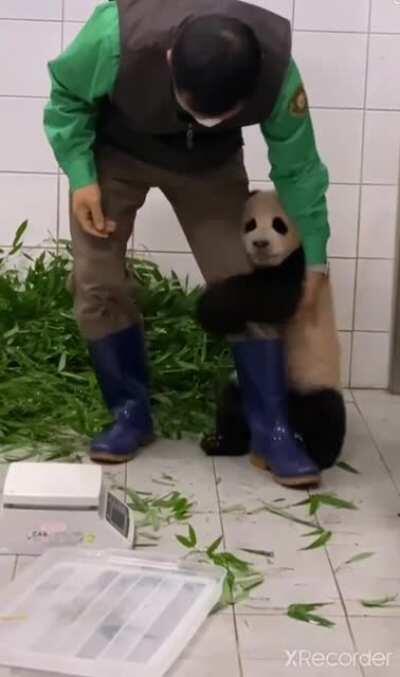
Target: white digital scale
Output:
[(47, 505)]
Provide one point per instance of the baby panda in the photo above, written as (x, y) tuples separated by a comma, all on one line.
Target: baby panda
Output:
[(271, 295)]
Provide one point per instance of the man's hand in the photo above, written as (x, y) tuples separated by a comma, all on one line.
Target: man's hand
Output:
[(87, 209), (312, 289)]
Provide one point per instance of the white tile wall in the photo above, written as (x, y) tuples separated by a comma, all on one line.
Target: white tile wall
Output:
[(378, 221), (339, 79), (359, 143), (374, 281), (22, 140), (79, 10), (385, 16), (31, 197), (339, 138), (382, 145), (256, 154), (282, 7), (26, 9), (343, 203), (384, 56), (71, 30), (17, 78), (340, 15), (343, 275), (345, 346), (370, 360)]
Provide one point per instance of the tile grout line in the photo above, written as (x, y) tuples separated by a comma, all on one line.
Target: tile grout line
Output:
[(360, 195), (235, 623), (375, 441), (342, 600), (297, 30)]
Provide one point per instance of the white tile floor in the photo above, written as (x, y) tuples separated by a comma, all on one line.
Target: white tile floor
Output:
[(257, 638)]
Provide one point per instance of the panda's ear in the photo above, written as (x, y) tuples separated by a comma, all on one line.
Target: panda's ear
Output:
[(250, 225)]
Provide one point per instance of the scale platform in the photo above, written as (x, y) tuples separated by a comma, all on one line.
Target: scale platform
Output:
[(48, 505)]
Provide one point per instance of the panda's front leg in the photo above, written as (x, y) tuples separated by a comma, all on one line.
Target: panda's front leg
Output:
[(222, 308)]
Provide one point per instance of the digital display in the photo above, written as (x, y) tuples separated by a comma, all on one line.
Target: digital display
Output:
[(117, 514)]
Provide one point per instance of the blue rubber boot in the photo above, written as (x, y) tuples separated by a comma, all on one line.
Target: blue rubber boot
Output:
[(261, 370), (120, 363)]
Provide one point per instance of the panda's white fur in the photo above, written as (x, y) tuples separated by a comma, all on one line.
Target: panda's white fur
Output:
[(313, 349), (262, 217)]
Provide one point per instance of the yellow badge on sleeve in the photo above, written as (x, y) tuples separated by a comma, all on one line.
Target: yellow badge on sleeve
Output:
[(299, 103)]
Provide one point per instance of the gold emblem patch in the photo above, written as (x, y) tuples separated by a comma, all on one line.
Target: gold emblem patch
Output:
[(299, 103)]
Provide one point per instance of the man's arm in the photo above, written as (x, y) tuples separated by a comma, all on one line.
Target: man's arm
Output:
[(299, 176), (80, 78)]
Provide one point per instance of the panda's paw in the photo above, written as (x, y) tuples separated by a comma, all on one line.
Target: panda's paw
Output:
[(218, 313)]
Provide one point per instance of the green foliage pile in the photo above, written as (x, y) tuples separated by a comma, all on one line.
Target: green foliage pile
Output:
[(50, 403)]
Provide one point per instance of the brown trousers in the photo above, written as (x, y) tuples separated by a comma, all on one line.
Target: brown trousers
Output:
[(208, 206)]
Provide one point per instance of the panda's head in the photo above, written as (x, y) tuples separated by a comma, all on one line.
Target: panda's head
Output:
[(269, 235)]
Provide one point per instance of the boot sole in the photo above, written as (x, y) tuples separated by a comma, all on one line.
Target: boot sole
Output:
[(117, 459), (304, 481)]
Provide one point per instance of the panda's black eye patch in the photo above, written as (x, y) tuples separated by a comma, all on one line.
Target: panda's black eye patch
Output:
[(250, 225), (279, 226)]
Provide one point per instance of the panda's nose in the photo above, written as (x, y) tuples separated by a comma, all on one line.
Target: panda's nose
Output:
[(261, 244)]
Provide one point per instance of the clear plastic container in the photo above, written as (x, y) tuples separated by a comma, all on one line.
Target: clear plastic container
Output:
[(104, 613)]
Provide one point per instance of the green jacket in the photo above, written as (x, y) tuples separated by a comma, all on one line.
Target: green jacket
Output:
[(86, 72)]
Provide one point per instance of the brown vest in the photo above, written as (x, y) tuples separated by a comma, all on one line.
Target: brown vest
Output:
[(142, 117)]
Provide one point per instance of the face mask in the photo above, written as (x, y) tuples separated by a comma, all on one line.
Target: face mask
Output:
[(208, 122)]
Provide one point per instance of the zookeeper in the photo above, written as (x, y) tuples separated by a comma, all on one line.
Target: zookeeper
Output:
[(154, 93)]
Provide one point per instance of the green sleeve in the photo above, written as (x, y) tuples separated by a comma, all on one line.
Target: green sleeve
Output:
[(300, 178), (80, 78)]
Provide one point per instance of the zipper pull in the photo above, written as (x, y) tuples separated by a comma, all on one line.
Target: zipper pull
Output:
[(190, 137)]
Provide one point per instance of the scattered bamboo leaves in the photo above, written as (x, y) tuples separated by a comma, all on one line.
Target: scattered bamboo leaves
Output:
[(241, 577), (379, 603), (349, 468), (304, 612), (159, 511), (316, 500)]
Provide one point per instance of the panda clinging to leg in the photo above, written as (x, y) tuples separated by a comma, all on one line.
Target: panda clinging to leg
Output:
[(270, 295)]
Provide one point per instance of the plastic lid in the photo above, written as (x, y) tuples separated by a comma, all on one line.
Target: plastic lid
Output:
[(96, 614)]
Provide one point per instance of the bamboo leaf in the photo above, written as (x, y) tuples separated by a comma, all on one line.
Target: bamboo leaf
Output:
[(16, 245), (184, 541), (357, 558), (349, 468), (261, 553), (379, 603), (303, 612), (320, 541), (214, 546), (192, 537)]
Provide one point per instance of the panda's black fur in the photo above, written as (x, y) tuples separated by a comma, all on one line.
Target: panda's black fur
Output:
[(308, 416), (269, 295)]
